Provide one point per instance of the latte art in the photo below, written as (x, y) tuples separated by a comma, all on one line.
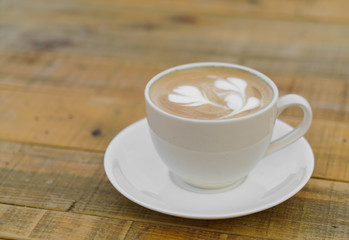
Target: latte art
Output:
[(231, 89), (210, 93)]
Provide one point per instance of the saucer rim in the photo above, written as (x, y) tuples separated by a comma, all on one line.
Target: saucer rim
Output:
[(205, 216)]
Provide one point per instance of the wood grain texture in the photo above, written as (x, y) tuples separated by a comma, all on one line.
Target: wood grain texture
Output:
[(167, 37), (308, 215), (329, 141), (113, 78), (83, 121), (315, 10), (300, 52), (50, 178), (321, 206), (47, 224), (71, 111), (318, 211), (72, 75), (33, 223), (74, 181)]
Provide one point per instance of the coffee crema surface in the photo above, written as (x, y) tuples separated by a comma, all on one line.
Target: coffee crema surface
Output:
[(210, 93)]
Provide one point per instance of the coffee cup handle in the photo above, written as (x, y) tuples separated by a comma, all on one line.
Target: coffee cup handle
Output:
[(283, 103)]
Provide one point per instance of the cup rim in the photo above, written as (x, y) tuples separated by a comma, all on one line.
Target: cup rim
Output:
[(212, 64)]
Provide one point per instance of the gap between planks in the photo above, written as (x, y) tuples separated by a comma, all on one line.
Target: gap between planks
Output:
[(330, 179), (53, 146)]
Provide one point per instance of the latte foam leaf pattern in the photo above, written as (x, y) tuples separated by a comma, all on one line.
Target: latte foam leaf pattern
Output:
[(230, 83), (232, 90), (189, 95)]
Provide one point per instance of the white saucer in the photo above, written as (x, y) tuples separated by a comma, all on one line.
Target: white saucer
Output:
[(136, 171)]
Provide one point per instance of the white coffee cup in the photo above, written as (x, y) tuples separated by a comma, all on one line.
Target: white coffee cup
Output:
[(220, 153)]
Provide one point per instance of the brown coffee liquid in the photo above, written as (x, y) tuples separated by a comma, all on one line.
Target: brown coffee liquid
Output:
[(210, 93)]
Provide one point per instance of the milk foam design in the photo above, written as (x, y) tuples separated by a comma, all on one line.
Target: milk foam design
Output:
[(231, 89)]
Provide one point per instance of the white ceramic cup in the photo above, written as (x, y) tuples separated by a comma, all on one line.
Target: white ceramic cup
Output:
[(220, 153)]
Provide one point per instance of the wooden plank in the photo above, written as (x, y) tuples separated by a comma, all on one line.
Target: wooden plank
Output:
[(106, 77), (328, 97), (45, 126), (319, 210), (18, 222), (267, 51), (74, 181), (46, 71), (305, 46), (142, 230), (48, 114), (74, 121), (44, 177), (32, 223), (75, 75), (330, 145), (329, 141), (316, 10), (90, 122), (298, 218)]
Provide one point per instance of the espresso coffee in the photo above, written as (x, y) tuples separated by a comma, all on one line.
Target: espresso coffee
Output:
[(210, 93)]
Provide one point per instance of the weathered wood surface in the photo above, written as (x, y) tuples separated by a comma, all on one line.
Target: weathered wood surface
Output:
[(73, 181), (72, 75)]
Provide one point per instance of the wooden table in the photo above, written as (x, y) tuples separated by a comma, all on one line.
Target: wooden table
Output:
[(72, 75)]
